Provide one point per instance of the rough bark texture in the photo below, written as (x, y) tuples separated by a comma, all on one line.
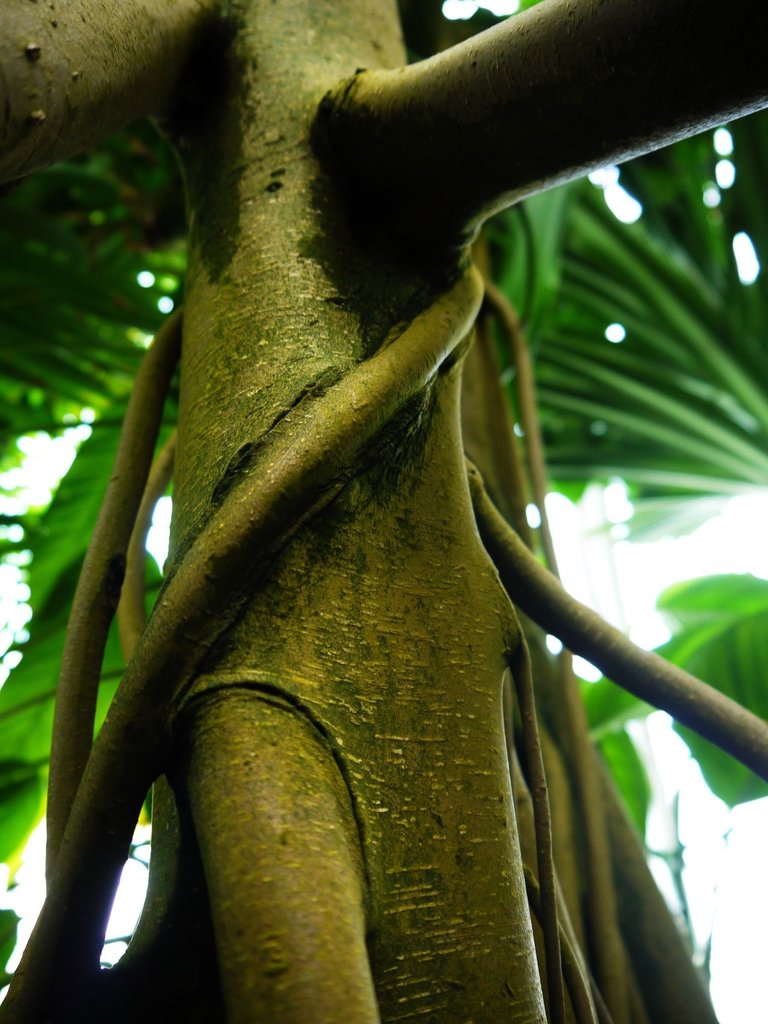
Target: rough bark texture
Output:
[(370, 625), (321, 681)]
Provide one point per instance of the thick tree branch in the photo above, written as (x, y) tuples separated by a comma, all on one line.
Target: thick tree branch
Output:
[(541, 596), (542, 98), (72, 74)]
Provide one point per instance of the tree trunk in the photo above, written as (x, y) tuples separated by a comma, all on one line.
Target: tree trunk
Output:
[(375, 641), (324, 693)]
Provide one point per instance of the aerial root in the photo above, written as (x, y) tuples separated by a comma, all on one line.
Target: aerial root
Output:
[(645, 674), (577, 985), (520, 665), (131, 611), (101, 578)]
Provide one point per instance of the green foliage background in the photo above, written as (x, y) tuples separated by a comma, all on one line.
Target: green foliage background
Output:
[(679, 410)]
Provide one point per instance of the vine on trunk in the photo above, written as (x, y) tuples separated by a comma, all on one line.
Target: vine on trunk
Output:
[(335, 416)]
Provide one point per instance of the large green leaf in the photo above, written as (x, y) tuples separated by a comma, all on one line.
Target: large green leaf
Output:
[(73, 240), (9, 923), (629, 774), (536, 231), (716, 600), (721, 636), (609, 708), (62, 534), (671, 396), (22, 797)]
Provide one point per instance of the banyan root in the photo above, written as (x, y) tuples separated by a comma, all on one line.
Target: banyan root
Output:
[(605, 942), (645, 674), (528, 410), (132, 612), (520, 665), (576, 983), (314, 451), (101, 576)]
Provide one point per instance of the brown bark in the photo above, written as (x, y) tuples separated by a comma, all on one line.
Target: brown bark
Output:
[(672, 989), (545, 96), (645, 674), (72, 73)]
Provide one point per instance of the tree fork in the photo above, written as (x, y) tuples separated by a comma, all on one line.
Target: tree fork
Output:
[(546, 96), (296, 318)]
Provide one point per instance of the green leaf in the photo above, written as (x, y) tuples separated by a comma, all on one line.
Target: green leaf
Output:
[(656, 518), (717, 599), (9, 923), (68, 523), (609, 708), (526, 247), (26, 699), (73, 239), (22, 798), (722, 638), (628, 771), (680, 407)]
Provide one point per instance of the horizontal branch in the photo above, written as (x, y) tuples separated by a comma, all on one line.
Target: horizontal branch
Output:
[(73, 73), (645, 674), (544, 97)]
